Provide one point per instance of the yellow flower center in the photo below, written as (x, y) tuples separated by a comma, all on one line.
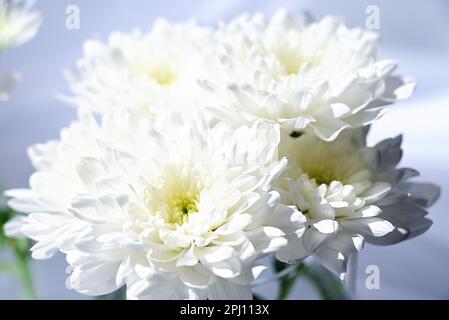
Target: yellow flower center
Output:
[(325, 172), (327, 162), (291, 61), (160, 71), (181, 207), (163, 74)]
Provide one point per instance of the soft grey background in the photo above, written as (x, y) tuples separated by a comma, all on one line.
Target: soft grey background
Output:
[(415, 33)]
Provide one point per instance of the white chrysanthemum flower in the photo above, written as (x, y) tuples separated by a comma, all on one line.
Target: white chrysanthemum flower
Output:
[(181, 213), (17, 23), (319, 77), (144, 71), (350, 193)]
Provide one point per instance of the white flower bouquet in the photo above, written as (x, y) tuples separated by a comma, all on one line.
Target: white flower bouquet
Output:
[(197, 152)]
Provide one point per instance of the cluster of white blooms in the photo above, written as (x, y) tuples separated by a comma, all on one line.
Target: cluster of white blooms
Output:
[(199, 151), (17, 25)]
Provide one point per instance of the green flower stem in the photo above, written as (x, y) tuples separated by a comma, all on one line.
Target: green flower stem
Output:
[(20, 249), (326, 284), (319, 284), (287, 283)]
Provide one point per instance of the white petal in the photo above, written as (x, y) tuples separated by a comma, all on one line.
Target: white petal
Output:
[(94, 278), (333, 260), (89, 169), (13, 228), (187, 258), (293, 252), (312, 239), (196, 276), (326, 226), (376, 227), (216, 254)]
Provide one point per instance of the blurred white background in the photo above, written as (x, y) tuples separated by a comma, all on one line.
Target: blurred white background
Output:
[(414, 33)]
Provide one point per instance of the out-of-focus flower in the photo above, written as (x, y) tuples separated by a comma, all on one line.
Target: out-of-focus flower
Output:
[(316, 77), (148, 72), (17, 23), (350, 193), (183, 213)]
